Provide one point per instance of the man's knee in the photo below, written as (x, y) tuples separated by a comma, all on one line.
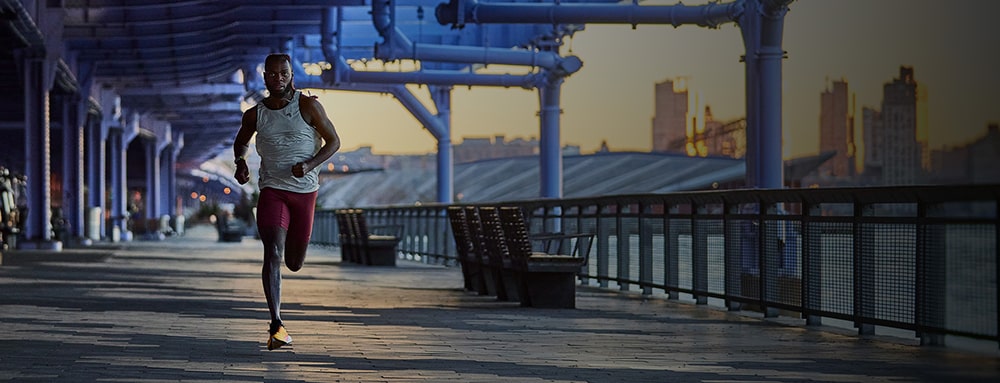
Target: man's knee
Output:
[(294, 263), (295, 255)]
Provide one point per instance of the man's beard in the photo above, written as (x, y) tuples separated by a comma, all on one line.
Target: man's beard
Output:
[(282, 91)]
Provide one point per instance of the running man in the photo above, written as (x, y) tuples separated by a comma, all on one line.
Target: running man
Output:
[(294, 137)]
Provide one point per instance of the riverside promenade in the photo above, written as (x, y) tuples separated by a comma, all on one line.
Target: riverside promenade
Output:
[(190, 309)]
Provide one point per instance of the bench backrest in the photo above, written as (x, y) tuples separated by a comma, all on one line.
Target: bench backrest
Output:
[(476, 233), (460, 230), (496, 243), (515, 232)]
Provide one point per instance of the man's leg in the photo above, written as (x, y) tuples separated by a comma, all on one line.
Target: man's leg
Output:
[(272, 221), (302, 209), (273, 238)]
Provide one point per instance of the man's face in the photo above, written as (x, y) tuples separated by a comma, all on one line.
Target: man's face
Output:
[(277, 76)]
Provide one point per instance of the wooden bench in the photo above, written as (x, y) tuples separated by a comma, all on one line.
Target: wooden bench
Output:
[(348, 251), (497, 241), (548, 272), (467, 252), (489, 261), (508, 275), (368, 245)]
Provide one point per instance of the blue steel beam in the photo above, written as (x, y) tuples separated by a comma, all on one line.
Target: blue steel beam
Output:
[(459, 12)]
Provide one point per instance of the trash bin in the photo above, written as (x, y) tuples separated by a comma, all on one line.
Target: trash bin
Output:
[(93, 224)]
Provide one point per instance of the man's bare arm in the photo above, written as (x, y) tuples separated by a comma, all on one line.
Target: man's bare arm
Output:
[(315, 115), (241, 144)]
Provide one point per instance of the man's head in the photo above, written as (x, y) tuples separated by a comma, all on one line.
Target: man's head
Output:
[(278, 75)]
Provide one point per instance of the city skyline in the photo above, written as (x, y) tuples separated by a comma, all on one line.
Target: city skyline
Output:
[(611, 98)]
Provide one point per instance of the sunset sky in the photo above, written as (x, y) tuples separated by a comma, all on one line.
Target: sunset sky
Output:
[(954, 52)]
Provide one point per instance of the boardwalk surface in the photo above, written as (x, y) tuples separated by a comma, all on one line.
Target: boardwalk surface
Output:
[(191, 309)]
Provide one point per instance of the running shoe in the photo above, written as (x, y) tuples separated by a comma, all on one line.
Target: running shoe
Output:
[(278, 339)]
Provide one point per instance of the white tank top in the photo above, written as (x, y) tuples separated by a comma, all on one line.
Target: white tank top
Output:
[(284, 139)]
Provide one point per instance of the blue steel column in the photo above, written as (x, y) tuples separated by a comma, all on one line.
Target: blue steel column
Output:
[(445, 169), (178, 141), (116, 165), (750, 28), (168, 181), (770, 56), (152, 197), (96, 170), (73, 109), (550, 155), (38, 78)]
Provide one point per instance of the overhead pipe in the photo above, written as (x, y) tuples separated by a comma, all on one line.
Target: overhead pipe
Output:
[(341, 71), (397, 46), (459, 12)]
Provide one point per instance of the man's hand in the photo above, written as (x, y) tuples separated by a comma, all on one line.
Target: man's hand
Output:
[(242, 172), (299, 170)]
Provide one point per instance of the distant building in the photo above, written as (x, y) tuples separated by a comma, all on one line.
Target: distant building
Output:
[(874, 141), (974, 162), (836, 130), (901, 153), (482, 148), (670, 114)]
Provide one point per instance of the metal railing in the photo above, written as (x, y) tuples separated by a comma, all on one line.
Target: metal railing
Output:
[(921, 258)]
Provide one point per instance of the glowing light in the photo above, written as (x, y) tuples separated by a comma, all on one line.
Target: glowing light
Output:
[(330, 167), (194, 195), (344, 168), (227, 190), (202, 198)]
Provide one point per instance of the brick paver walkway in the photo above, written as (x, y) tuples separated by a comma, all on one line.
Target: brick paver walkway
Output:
[(191, 309)]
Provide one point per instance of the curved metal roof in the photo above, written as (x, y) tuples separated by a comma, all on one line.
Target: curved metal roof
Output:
[(513, 179)]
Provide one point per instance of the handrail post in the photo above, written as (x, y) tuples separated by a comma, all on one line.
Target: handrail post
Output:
[(812, 265), (930, 294), (699, 252), (863, 286), (732, 265), (623, 248), (645, 251)]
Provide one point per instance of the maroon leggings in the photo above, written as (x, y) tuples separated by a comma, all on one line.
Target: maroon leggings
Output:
[(289, 210)]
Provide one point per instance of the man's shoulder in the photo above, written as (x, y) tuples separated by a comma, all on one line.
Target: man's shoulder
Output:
[(250, 115), (308, 99)]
